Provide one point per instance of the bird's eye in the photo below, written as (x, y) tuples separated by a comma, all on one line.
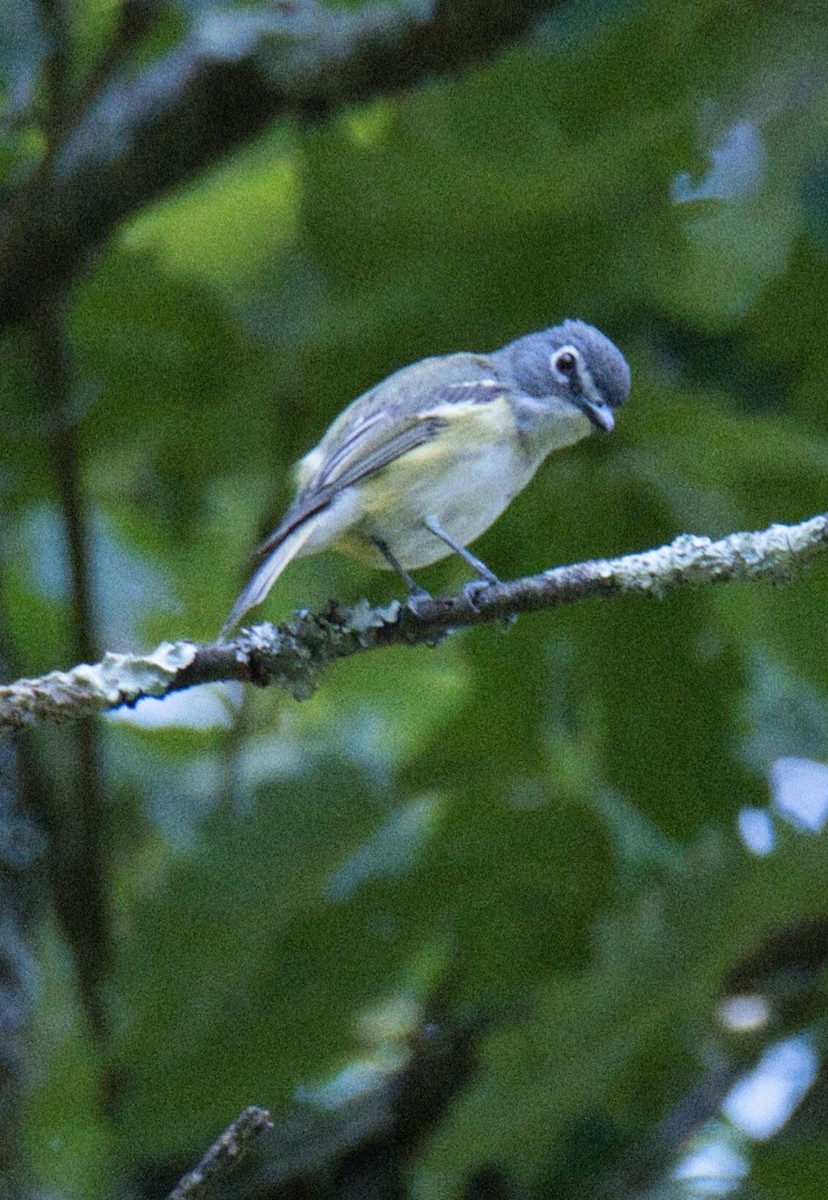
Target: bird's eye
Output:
[(565, 362)]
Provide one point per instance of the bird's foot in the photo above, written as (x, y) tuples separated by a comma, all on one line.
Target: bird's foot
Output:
[(476, 589), (417, 596)]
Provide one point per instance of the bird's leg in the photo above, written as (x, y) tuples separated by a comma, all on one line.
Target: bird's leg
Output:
[(417, 592), (486, 575)]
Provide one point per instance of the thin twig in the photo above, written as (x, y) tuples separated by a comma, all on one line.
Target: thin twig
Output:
[(294, 654), (79, 853), (224, 1152), (135, 20), (55, 68)]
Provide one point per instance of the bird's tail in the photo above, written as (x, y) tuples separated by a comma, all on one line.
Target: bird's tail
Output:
[(269, 570)]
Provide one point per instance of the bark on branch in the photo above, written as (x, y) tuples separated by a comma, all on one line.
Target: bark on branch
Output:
[(294, 654), (224, 1154), (234, 71)]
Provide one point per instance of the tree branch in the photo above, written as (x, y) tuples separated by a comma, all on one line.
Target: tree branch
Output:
[(233, 73), (77, 852), (56, 66), (363, 1146), (135, 20), (224, 1153), (293, 655)]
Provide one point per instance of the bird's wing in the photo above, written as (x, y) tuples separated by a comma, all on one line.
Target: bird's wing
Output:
[(372, 445), (355, 449), (360, 458), (369, 444)]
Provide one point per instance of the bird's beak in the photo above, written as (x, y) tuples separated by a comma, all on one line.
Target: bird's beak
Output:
[(599, 413)]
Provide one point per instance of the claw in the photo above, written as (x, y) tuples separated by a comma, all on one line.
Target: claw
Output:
[(474, 589), (415, 597)]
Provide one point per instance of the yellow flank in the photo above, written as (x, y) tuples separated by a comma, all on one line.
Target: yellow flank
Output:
[(470, 430), (465, 476)]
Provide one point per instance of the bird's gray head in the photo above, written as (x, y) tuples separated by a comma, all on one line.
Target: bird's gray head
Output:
[(576, 362)]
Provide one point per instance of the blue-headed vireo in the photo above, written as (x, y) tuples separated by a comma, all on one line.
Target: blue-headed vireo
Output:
[(423, 463)]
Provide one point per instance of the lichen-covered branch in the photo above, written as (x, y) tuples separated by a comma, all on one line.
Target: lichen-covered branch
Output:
[(233, 72), (294, 654)]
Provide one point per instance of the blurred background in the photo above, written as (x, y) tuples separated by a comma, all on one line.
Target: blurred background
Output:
[(535, 913)]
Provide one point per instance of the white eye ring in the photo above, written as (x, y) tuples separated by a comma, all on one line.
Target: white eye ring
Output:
[(564, 363)]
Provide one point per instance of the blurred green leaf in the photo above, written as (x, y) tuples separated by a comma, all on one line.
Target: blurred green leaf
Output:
[(205, 996), (657, 970), (66, 1132), (794, 1168)]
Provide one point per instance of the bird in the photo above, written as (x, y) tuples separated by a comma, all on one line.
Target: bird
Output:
[(423, 463)]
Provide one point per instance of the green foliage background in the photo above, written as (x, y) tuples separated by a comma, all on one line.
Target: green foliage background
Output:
[(543, 819)]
